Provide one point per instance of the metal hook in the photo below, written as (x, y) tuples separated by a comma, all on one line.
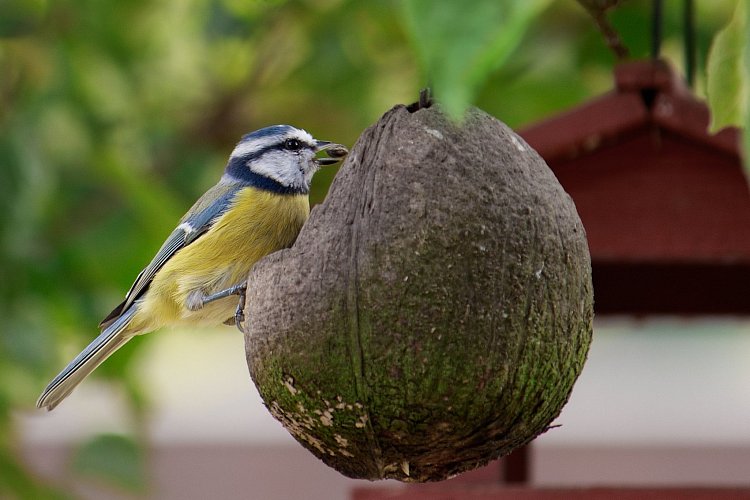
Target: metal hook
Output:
[(656, 25), (689, 41)]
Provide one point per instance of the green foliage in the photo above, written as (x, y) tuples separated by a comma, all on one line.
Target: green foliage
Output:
[(598, 10), (459, 45), (20, 16), (729, 76), (15, 482), (728, 72), (116, 459)]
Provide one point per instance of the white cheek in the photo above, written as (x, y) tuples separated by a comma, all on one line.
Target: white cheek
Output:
[(284, 168), (273, 165)]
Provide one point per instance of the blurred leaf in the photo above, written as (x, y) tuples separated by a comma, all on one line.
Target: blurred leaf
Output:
[(459, 45), (19, 17), (598, 7), (24, 340), (115, 459), (15, 482), (728, 76)]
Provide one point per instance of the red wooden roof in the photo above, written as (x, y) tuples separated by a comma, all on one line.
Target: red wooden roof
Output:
[(646, 93), (665, 204)]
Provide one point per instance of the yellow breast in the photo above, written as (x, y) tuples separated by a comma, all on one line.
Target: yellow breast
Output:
[(258, 223)]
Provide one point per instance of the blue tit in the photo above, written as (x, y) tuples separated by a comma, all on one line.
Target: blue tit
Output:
[(258, 207)]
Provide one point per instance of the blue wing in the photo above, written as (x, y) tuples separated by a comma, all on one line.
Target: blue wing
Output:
[(193, 224)]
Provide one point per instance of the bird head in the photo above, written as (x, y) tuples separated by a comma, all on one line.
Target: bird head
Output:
[(280, 158)]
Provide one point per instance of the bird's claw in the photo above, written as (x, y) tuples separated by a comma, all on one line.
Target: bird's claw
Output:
[(239, 313)]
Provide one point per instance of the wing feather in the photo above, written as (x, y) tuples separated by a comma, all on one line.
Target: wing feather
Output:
[(193, 224)]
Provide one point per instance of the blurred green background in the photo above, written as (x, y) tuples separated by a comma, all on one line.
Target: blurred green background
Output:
[(115, 116)]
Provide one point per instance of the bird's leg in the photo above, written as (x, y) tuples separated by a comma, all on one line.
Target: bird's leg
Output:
[(197, 300), (232, 290)]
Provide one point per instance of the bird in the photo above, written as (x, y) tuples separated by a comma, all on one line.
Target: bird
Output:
[(258, 207)]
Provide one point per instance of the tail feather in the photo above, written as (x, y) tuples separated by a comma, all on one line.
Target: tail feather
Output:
[(111, 339)]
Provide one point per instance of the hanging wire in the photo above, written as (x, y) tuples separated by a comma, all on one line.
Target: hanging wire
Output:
[(689, 41), (656, 24)]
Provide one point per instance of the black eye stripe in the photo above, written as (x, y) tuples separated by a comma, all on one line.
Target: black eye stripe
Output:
[(280, 146)]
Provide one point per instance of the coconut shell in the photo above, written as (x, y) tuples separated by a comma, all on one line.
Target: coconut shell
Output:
[(436, 309)]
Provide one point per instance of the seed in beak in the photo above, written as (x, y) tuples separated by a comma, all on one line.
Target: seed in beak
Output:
[(335, 152)]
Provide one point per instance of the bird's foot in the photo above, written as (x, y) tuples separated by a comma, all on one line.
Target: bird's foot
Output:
[(194, 303), (197, 300), (239, 313)]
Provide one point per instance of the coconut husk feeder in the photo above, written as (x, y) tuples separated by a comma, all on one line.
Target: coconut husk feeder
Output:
[(436, 308)]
